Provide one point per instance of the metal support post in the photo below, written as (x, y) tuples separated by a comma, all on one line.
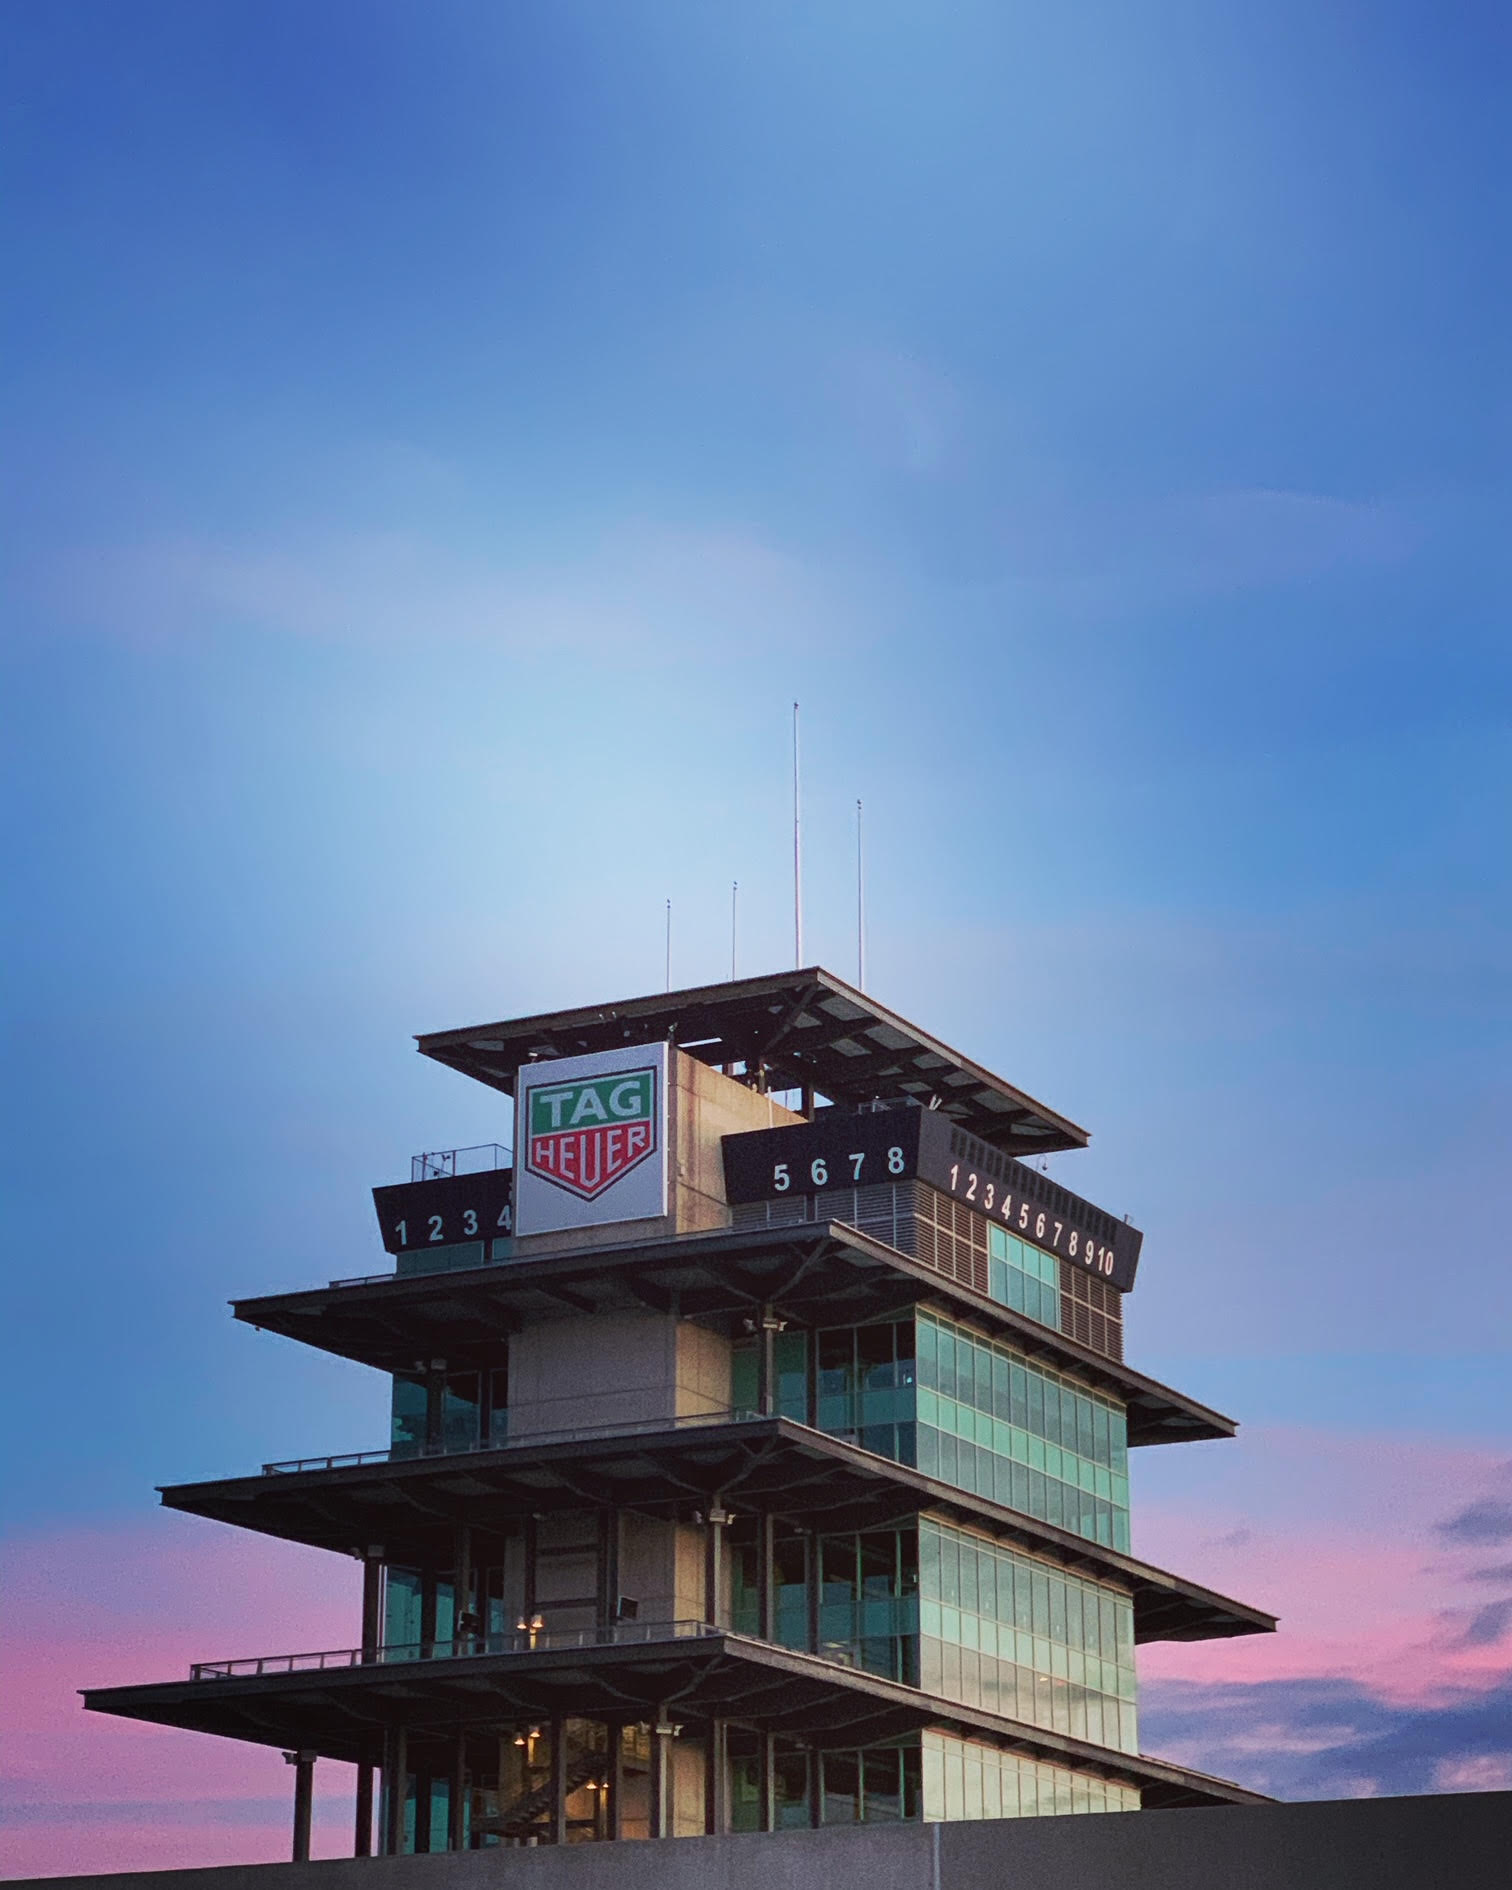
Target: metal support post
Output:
[(766, 1393), (372, 1596), (395, 1782), (716, 1781), (462, 1583), (813, 1579), (766, 1601), (559, 1781), (435, 1407), (362, 1837), (456, 1797), (304, 1801), (663, 1732), (616, 1781), (766, 1815), (716, 1521)]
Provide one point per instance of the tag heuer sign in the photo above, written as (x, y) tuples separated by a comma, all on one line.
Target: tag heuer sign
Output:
[(585, 1135), (591, 1140)]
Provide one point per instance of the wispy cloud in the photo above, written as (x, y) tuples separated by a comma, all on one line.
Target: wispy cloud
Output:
[(645, 590)]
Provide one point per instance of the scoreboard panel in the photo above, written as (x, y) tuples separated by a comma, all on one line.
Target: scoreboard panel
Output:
[(446, 1211), (840, 1149)]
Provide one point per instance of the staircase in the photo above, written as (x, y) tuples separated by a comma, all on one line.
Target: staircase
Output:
[(523, 1818)]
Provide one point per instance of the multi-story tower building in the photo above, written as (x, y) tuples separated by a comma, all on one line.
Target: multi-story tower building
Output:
[(759, 1453)]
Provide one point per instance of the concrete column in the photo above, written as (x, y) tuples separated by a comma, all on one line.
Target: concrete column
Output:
[(616, 1780), (435, 1406), (766, 1603), (372, 1636), (608, 1569), (716, 1521), (766, 1381), (716, 1782), (559, 1781), (462, 1585), (663, 1732), (304, 1801), (456, 1819), (812, 1589), (362, 1837), (767, 1811), (372, 1595), (395, 1770)]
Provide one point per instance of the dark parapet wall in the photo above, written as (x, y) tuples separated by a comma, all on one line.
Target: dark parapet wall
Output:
[(1454, 1842)]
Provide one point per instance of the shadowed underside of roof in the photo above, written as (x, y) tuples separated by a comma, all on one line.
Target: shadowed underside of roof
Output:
[(793, 1030)]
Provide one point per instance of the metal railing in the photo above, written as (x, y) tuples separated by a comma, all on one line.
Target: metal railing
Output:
[(460, 1647), (410, 1453), (437, 1163)]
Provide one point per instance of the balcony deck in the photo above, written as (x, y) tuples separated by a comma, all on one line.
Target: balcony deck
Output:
[(337, 1707), (412, 1504), (822, 1273)]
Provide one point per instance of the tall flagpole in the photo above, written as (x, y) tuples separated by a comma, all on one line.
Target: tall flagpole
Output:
[(797, 854), (734, 899), (669, 944), (860, 907)]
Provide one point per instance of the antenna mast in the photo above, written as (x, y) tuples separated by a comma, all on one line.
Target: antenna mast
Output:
[(797, 856), (734, 897), (669, 944), (860, 907)]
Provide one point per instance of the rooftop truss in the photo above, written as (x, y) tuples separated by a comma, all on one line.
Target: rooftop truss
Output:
[(795, 1030)]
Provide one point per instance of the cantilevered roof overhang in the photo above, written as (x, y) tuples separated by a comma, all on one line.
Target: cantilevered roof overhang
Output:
[(413, 1507), (816, 1274), (339, 1713), (798, 1029)]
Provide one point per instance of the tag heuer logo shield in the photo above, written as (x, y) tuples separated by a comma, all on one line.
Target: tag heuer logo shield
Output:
[(584, 1136)]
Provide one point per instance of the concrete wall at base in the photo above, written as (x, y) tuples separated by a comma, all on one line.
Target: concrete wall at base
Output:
[(1459, 1842)]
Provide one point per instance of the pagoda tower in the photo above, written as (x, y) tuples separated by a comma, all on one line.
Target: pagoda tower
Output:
[(759, 1453)]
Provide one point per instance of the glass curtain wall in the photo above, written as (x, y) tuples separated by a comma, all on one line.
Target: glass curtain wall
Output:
[(963, 1778), (995, 1423), (474, 1412), (964, 1408), (1014, 1635)]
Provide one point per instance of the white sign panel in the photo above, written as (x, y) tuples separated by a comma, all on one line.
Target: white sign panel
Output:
[(591, 1140)]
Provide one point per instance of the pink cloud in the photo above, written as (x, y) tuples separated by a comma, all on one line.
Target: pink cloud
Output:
[(111, 1607), (1341, 1537)]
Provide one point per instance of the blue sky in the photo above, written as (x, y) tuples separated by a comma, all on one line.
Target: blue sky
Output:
[(444, 440)]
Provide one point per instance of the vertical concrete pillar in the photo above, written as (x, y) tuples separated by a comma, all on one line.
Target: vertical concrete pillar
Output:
[(395, 1781), (766, 1602), (663, 1732), (716, 1521), (608, 1570), (456, 1798), (372, 1635), (462, 1582), (716, 1782), (766, 1819), (559, 1781), (435, 1407), (304, 1801), (372, 1593), (362, 1835), (766, 1380)]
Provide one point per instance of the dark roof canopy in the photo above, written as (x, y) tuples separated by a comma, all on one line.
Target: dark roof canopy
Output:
[(340, 1712), (819, 1273), (796, 1030), (413, 1506)]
